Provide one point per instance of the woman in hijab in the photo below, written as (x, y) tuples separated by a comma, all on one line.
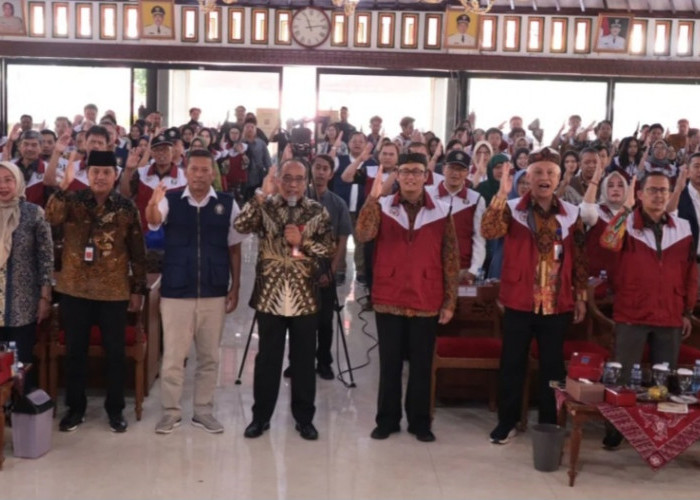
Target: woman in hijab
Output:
[(26, 263), (494, 171), (596, 216)]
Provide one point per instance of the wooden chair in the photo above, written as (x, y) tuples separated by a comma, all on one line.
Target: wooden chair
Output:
[(135, 350), (474, 353), (41, 351)]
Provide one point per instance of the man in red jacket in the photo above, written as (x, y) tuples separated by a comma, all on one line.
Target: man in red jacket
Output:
[(657, 279), (543, 281), (411, 293)]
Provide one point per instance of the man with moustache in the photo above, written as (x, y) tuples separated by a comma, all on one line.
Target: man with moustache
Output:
[(543, 283), (294, 234)]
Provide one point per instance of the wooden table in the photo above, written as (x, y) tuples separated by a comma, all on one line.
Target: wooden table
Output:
[(580, 413)]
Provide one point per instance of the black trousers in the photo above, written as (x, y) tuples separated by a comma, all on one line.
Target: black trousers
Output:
[(25, 337), (519, 328), (325, 324), (78, 315), (272, 330), (417, 334)]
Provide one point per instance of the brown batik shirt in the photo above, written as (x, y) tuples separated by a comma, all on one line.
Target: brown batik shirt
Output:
[(114, 230), (285, 279)]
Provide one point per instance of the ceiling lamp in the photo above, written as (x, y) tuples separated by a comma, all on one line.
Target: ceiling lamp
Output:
[(348, 5), (209, 5), (475, 7)]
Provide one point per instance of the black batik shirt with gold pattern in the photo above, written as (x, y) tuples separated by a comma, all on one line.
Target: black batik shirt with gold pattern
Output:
[(114, 228), (285, 280)]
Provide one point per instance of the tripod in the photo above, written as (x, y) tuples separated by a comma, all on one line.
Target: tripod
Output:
[(340, 333)]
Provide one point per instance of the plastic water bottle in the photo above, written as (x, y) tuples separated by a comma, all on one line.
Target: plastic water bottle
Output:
[(480, 276), (696, 377), (12, 347), (603, 275), (636, 377)]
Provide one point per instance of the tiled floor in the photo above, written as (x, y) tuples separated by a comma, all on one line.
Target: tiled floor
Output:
[(344, 463)]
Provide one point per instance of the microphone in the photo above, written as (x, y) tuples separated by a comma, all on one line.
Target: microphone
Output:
[(291, 203)]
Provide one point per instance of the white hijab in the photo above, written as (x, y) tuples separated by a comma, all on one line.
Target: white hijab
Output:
[(9, 213)]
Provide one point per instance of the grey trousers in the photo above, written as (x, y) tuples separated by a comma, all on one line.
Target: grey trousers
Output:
[(664, 345)]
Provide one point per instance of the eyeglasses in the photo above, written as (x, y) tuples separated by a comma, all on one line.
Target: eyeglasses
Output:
[(655, 190), (288, 179), (406, 172)]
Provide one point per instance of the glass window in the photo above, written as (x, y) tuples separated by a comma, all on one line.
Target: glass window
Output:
[(108, 88), (639, 103), (390, 97), (495, 100)]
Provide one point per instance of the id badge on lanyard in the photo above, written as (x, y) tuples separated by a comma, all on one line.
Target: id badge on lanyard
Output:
[(89, 254), (558, 247)]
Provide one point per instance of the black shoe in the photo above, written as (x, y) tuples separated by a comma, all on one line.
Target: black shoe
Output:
[(287, 373), (307, 431), (117, 423), (502, 434), (425, 436), (339, 279), (325, 372), (71, 421), (256, 429), (382, 433), (612, 440)]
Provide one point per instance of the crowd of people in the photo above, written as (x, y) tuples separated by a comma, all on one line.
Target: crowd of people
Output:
[(426, 215)]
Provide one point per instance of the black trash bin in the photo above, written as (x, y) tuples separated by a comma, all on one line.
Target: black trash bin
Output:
[(32, 419), (547, 445)]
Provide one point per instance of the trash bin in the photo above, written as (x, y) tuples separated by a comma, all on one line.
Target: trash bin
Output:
[(32, 419), (547, 445)]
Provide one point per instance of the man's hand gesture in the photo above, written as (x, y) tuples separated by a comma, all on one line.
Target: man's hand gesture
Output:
[(269, 186), (376, 191), (69, 174), (506, 180)]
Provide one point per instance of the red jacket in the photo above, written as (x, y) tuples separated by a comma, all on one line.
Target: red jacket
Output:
[(520, 256), (408, 262), (651, 289), (600, 258), (175, 180)]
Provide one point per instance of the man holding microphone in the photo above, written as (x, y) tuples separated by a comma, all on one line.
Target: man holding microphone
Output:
[(294, 234)]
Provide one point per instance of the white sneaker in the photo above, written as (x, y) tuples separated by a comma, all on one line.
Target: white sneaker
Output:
[(167, 424), (208, 423)]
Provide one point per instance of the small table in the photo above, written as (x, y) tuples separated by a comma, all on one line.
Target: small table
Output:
[(580, 414)]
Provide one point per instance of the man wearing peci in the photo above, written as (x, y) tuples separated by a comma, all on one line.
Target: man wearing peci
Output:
[(157, 28), (613, 40)]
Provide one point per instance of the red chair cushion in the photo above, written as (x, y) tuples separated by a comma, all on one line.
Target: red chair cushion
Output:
[(96, 336), (572, 346), (688, 355), (468, 347)]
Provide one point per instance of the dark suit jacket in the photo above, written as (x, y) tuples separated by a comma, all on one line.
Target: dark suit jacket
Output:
[(686, 210)]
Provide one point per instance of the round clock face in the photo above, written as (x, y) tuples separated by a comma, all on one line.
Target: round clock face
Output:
[(310, 27)]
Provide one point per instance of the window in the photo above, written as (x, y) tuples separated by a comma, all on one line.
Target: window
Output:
[(386, 30), (131, 22), (259, 26), (582, 36), (363, 29), (236, 27), (488, 32), (339, 29), (685, 38), (282, 27), (535, 34), (559, 35), (511, 34), (409, 31), (638, 37), (662, 36), (190, 26), (432, 31), (108, 21), (212, 25), (83, 26), (37, 19), (60, 20)]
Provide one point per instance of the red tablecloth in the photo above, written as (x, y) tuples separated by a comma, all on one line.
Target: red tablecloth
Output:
[(658, 437)]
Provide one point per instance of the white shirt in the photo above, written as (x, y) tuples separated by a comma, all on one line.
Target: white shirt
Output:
[(234, 237)]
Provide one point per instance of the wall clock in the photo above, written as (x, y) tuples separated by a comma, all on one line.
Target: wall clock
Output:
[(310, 27)]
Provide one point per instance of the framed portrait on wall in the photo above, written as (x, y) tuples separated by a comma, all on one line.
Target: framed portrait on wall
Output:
[(613, 32), (157, 19), (461, 29), (12, 18)]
